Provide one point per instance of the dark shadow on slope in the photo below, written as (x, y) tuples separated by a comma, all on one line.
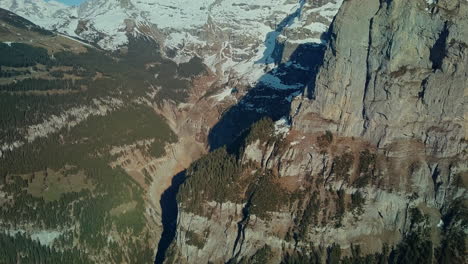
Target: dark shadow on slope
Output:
[(241, 231), (266, 99), (271, 96), (169, 210), (439, 50)]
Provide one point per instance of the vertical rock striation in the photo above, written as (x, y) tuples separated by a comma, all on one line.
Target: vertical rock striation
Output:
[(395, 70)]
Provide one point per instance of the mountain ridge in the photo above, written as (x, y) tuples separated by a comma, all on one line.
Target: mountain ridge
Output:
[(208, 29)]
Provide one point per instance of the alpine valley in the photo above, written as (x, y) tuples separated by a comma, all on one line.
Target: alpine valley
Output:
[(234, 131)]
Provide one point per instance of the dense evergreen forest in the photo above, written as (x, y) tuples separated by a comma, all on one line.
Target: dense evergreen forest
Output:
[(19, 248), (92, 74), (65, 181)]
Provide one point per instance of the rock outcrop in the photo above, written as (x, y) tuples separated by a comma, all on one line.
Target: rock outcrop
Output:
[(376, 152), (395, 70)]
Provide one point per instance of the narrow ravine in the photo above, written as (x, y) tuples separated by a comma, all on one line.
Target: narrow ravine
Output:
[(169, 214), (270, 97), (241, 231)]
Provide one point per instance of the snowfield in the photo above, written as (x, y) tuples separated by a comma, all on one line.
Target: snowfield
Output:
[(234, 37), (180, 19)]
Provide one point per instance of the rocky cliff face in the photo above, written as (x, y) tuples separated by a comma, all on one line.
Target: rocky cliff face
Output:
[(407, 79), (373, 165)]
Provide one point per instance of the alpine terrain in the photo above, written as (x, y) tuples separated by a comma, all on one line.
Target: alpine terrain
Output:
[(234, 131)]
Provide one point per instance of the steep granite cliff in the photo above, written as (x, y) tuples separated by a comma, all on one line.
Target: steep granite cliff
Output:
[(371, 164)]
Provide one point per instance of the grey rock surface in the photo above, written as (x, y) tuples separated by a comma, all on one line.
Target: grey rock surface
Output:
[(393, 82), (395, 70)]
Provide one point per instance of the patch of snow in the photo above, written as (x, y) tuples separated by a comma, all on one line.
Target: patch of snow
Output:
[(307, 40), (252, 107), (178, 39), (223, 94), (110, 238), (45, 237), (249, 71), (282, 126), (440, 224), (275, 83), (328, 10), (69, 28), (176, 14), (9, 147), (316, 27), (74, 39), (296, 66)]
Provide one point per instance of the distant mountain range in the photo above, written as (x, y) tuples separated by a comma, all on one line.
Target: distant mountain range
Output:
[(230, 35)]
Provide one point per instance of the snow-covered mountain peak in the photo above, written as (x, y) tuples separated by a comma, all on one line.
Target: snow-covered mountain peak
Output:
[(47, 14), (237, 18)]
